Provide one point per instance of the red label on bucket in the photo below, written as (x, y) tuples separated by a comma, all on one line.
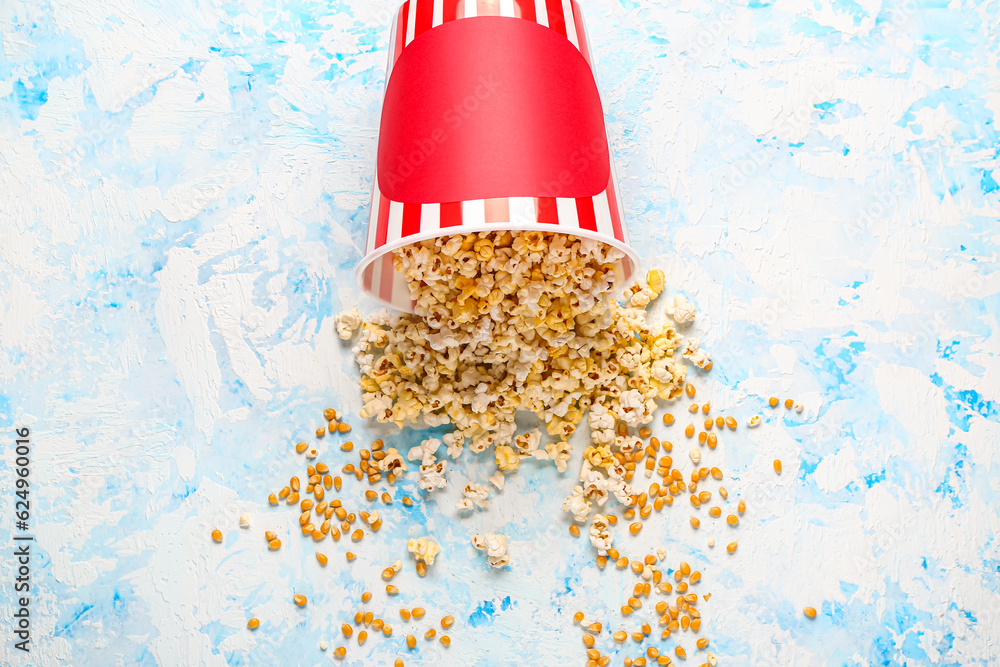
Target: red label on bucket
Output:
[(490, 107)]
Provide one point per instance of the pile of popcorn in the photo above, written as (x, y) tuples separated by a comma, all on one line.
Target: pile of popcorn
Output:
[(508, 321)]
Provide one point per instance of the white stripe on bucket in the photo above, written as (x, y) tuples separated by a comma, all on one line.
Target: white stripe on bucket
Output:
[(522, 209), (430, 217), (602, 213), (507, 8), (474, 212), (395, 225), (566, 208), (541, 13), (411, 23), (437, 17), (567, 6)]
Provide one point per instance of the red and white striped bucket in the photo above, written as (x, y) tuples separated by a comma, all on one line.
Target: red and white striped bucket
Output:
[(507, 152)]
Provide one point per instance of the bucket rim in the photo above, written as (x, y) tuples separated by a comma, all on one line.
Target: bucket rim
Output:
[(381, 251)]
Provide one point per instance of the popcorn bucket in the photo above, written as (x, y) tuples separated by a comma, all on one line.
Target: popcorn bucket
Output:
[(491, 121)]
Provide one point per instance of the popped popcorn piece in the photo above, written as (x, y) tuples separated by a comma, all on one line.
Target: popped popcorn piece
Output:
[(695, 455), (559, 452), (754, 421), (600, 536), (455, 442), (577, 504), (654, 279), (507, 458), (426, 452), (347, 323), (392, 462), (799, 407), (244, 521), (661, 553), (372, 518), (711, 541), (423, 548), (527, 443), (475, 497), (495, 548), (497, 479), (432, 476), (691, 350), (681, 310), (712, 659)]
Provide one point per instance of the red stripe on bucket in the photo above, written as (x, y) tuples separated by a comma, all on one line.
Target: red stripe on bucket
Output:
[(524, 9), (366, 278), (546, 211), (388, 272), (382, 226), (557, 21), (451, 214), (411, 220), (452, 9), (581, 35), (423, 17), (400, 32), (585, 213), (497, 210)]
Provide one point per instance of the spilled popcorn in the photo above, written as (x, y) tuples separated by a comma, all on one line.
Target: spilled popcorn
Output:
[(347, 323), (508, 321), (495, 548)]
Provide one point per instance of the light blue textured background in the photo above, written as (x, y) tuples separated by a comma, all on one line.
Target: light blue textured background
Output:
[(183, 190)]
